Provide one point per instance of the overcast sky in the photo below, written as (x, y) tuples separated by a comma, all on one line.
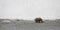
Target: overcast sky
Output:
[(29, 9)]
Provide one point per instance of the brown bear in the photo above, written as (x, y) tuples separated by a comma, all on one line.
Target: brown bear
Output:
[(38, 20)]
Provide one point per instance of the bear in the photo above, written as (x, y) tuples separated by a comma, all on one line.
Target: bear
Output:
[(38, 20)]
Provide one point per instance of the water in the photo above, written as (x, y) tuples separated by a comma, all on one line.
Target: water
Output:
[(29, 25)]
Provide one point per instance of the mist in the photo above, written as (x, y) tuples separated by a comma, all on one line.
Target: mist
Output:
[(30, 9)]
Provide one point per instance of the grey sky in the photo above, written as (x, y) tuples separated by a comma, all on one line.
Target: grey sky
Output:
[(29, 9)]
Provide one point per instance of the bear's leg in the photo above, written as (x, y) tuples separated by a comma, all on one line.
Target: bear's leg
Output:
[(41, 21), (36, 21)]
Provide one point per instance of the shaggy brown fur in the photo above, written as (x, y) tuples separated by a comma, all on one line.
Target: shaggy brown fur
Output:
[(38, 20)]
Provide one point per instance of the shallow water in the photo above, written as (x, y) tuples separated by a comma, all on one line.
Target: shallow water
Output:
[(29, 25)]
